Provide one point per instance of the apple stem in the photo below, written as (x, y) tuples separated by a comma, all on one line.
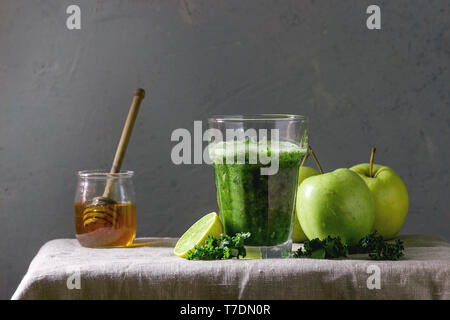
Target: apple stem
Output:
[(304, 159), (372, 156), (315, 159)]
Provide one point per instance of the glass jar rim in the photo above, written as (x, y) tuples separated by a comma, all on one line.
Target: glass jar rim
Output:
[(102, 174), (258, 117)]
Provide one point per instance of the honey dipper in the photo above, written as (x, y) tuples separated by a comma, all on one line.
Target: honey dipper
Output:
[(100, 211)]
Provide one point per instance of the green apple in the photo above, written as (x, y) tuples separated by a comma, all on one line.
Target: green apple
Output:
[(391, 197), (337, 204), (298, 234)]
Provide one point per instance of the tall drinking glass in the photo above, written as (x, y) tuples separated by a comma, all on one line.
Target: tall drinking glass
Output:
[(256, 159)]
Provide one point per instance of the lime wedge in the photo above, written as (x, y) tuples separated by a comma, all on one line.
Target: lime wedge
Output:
[(209, 225)]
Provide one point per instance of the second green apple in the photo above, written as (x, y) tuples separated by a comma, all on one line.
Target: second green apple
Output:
[(390, 195)]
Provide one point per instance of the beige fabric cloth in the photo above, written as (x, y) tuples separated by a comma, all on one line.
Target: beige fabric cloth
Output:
[(153, 272)]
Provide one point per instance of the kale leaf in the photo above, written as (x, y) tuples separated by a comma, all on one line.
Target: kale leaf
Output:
[(331, 248), (378, 248), (220, 249)]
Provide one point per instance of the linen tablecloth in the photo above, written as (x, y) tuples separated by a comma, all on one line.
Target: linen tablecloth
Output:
[(63, 269)]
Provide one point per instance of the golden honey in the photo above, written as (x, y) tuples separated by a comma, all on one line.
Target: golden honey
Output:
[(112, 225)]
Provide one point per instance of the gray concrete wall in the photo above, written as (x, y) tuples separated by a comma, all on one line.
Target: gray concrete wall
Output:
[(64, 96)]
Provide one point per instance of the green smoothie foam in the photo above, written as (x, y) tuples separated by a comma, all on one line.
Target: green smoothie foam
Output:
[(251, 202)]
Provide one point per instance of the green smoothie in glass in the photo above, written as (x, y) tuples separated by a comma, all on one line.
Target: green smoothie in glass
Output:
[(250, 201)]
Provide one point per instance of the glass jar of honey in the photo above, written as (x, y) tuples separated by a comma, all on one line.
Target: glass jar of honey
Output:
[(105, 209)]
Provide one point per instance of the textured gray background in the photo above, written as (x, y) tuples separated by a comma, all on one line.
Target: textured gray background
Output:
[(64, 96)]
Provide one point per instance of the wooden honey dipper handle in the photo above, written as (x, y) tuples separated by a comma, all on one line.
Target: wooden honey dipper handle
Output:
[(139, 95)]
